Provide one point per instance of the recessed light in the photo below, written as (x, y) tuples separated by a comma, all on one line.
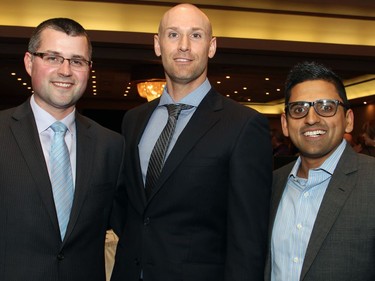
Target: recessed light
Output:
[(365, 102), (93, 77), (267, 93), (236, 92), (228, 96), (278, 90), (245, 88), (218, 82), (13, 74), (266, 78), (228, 77)]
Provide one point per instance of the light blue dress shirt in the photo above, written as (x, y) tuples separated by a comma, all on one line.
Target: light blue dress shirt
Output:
[(43, 122), (296, 216), (159, 119)]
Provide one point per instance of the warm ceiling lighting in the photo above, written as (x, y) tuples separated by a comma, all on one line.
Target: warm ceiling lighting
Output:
[(150, 89)]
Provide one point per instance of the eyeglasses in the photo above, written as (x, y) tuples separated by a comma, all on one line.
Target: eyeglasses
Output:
[(324, 108), (78, 64)]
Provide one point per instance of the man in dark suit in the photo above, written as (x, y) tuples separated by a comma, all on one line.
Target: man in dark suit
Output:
[(205, 217), (323, 204), (35, 244)]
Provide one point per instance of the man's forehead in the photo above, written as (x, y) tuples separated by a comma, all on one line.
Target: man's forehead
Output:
[(314, 89)]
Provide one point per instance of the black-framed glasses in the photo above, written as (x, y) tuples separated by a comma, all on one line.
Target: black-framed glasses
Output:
[(324, 108), (54, 60)]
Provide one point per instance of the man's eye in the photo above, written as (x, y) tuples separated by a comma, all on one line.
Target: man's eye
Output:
[(172, 35), (326, 108), (51, 58), (299, 109), (77, 62), (196, 35)]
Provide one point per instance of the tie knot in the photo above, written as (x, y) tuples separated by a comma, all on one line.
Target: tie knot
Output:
[(175, 109), (59, 127)]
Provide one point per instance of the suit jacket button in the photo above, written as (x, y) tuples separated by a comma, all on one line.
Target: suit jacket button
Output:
[(146, 221), (136, 261), (60, 256)]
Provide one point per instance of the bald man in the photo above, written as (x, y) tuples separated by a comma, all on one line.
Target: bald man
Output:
[(205, 216)]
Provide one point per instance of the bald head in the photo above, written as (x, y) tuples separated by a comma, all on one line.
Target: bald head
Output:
[(186, 12)]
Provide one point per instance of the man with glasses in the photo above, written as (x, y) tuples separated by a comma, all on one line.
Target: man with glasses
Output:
[(323, 205), (58, 169)]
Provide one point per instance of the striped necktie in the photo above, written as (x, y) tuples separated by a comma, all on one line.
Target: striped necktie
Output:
[(61, 176), (159, 151)]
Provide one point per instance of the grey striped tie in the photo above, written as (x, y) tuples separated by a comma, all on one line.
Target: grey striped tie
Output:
[(159, 151), (61, 176)]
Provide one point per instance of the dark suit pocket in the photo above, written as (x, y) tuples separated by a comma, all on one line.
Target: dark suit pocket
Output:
[(202, 272)]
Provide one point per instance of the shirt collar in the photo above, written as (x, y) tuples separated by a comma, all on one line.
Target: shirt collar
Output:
[(329, 165), (44, 120), (194, 98)]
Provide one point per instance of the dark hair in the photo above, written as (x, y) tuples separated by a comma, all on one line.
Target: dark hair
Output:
[(69, 26), (307, 71)]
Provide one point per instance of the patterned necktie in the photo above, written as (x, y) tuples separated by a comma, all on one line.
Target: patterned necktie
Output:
[(61, 176), (159, 151)]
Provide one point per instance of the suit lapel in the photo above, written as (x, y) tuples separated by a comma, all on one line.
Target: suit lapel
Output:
[(26, 135), (339, 189), (85, 152), (140, 125), (203, 119)]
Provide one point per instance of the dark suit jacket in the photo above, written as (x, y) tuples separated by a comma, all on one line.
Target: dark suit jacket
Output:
[(207, 219), (342, 243), (30, 243)]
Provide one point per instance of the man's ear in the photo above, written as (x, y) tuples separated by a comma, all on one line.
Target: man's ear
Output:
[(284, 124), (28, 61), (157, 46)]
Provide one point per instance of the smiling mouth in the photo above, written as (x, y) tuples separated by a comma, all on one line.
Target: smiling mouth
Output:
[(182, 60), (63, 85), (315, 133)]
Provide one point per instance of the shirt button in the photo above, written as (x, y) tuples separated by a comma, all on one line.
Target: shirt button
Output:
[(306, 194), (146, 221), (295, 260), (299, 226)]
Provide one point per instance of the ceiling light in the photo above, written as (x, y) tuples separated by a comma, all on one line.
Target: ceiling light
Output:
[(266, 78), (151, 88), (228, 77), (245, 88)]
